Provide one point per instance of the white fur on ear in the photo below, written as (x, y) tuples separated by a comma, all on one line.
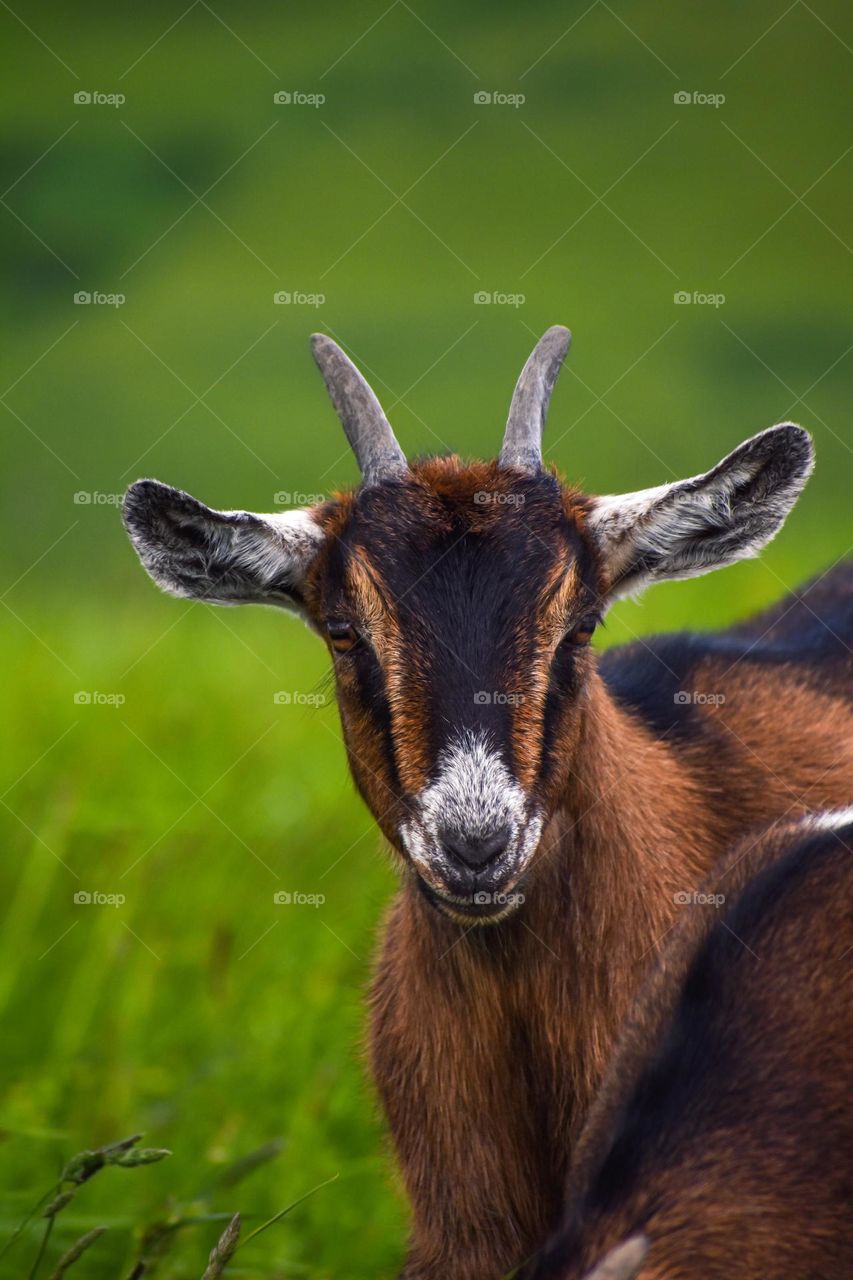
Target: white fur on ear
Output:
[(225, 557), (690, 527)]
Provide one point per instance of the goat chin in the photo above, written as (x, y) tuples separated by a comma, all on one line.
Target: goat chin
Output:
[(491, 909)]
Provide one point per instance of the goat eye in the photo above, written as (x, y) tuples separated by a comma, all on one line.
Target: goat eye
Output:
[(582, 633), (343, 636)]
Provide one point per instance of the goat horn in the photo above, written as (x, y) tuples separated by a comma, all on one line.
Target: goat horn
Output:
[(623, 1262), (369, 432), (522, 444)]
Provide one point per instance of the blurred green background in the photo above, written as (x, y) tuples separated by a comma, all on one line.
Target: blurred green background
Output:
[(198, 1010)]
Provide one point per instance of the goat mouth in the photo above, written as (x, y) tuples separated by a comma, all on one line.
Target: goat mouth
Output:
[(479, 907), (484, 896)]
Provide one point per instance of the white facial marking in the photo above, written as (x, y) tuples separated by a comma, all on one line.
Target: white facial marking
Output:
[(473, 796), (474, 793)]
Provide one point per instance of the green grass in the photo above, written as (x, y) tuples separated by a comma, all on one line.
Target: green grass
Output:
[(215, 1018), (198, 1010)]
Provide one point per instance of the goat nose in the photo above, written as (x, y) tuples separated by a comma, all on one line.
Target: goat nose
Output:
[(475, 851)]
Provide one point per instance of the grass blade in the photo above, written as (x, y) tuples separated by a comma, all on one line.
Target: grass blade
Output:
[(26, 1222), (76, 1251), (283, 1212), (42, 1247), (223, 1250)]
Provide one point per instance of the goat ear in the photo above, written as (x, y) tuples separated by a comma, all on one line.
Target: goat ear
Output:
[(693, 526), (225, 557)]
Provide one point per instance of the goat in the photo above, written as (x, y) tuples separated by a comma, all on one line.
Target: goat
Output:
[(721, 1142), (524, 784)]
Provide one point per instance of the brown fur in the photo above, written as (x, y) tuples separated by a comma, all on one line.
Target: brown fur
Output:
[(489, 1037), (488, 1045), (748, 1171)]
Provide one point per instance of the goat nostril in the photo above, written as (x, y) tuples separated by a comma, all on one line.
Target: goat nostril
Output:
[(476, 851)]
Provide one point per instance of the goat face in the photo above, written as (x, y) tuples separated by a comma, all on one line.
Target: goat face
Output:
[(458, 602)]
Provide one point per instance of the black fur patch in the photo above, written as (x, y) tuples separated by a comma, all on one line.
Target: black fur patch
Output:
[(813, 636)]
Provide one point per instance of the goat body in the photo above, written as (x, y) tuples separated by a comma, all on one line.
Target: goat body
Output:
[(549, 811), (488, 1045), (721, 1143)]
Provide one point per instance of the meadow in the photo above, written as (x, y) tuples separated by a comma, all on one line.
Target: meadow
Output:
[(168, 769)]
